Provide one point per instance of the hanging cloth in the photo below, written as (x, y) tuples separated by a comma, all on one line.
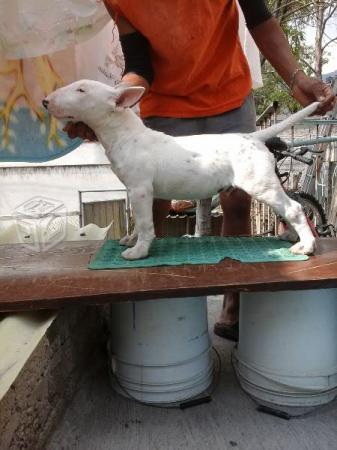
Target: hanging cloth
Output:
[(31, 28), (45, 45)]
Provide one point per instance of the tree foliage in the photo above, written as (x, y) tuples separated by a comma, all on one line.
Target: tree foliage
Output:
[(294, 17)]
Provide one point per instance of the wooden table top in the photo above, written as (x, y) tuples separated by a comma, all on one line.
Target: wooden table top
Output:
[(59, 277)]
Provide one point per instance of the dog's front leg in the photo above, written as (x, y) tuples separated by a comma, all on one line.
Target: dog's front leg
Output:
[(141, 201), (203, 218)]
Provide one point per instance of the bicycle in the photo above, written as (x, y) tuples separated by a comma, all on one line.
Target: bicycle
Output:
[(313, 209)]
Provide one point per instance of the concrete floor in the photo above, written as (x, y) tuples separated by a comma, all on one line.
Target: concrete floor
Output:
[(99, 419)]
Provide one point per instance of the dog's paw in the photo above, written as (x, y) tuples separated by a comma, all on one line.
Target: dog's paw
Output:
[(128, 240), (302, 248), (289, 235), (135, 253)]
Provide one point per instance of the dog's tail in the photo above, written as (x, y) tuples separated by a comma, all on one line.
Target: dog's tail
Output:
[(270, 132)]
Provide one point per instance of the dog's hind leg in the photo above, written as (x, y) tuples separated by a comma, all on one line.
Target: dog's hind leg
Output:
[(141, 202), (271, 192), (293, 213)]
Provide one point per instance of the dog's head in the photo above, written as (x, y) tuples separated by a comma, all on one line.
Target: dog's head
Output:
[(89, 101)]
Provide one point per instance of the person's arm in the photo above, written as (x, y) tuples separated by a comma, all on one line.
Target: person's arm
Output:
[(134, 48), (273, 44)]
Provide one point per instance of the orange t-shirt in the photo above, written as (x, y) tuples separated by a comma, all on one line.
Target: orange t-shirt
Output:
[(199, 66)]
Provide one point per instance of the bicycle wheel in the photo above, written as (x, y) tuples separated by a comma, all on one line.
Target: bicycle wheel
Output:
[(311, 206)]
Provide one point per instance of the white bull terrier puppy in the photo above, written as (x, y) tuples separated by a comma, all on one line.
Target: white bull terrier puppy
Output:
[(154, 165)]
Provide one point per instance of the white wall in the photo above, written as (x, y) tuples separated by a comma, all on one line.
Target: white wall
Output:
[(20, 183)]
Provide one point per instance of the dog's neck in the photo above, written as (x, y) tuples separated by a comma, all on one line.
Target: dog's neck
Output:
[(117, 129)]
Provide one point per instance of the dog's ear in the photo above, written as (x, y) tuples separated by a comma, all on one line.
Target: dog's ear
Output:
[(128, 96)]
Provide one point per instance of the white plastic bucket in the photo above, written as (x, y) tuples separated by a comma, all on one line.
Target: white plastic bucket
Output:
[(160, 349), (287, 351)]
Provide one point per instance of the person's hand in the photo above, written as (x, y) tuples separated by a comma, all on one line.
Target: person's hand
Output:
[(81, 130), (307, 90)]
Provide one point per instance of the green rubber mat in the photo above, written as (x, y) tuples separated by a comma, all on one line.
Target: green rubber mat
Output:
[(204, 250)]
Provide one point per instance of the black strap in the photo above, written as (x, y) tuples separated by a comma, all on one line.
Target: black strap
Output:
[(255, 12), (136, 50)]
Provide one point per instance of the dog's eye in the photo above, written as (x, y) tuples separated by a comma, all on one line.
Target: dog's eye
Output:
[(80, 90)]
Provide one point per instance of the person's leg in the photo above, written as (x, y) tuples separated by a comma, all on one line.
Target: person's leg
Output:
[(236, 216), (161, 209), (236, 221), (236, 213)]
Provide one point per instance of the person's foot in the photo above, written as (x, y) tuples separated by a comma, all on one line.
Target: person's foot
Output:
[(230, 332), (227, 325)]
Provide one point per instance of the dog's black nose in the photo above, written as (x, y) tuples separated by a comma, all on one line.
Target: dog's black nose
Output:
[(45, 103)]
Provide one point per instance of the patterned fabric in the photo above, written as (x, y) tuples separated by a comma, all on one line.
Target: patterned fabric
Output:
[(27, 132), (31, 28), (205, 250)]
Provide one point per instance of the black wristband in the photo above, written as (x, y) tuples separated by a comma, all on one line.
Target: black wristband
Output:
[(255, 12), (136, 50)]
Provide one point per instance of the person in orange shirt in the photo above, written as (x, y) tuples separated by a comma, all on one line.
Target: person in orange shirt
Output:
[(188, 57)]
